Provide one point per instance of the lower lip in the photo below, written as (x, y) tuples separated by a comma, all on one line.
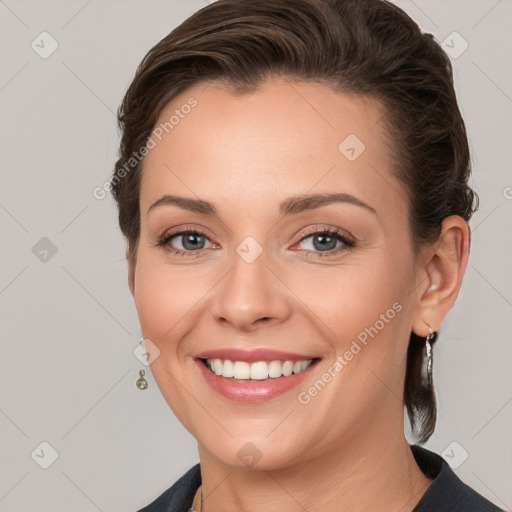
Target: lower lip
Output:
[(252, 390)]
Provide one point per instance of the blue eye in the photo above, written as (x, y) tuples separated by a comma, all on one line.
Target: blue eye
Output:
[(193, 241), (324, 242)]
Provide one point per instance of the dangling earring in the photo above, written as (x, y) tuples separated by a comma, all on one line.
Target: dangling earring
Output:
[(142, 383), (430, 335)]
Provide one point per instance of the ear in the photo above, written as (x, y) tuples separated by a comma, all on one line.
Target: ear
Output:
[(440, 274)]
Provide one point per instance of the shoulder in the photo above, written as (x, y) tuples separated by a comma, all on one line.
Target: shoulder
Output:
[(179, 497), (447, 492)]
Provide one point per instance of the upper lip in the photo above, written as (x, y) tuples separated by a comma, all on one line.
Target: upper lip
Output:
[(252, 356)]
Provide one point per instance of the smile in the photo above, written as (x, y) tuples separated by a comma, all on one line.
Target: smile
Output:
[(256, 380), (259, 370)]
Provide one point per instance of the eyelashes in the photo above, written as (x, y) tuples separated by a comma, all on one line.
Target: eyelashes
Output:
[(330, 234), (165, 242), (334, 234)]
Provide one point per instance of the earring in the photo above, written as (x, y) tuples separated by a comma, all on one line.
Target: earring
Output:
[(142, 383), (430, 335)]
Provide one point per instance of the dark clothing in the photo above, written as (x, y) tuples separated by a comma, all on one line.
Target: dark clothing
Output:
[(447, 493)]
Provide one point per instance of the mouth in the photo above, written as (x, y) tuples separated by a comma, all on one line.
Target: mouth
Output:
[(257, 380)]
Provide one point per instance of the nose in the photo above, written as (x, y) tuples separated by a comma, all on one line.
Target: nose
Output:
[(251, 295)]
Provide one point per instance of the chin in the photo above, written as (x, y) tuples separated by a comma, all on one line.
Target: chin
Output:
[(254, 453)]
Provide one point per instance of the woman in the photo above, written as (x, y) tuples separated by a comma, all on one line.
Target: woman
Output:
[(293, 188)]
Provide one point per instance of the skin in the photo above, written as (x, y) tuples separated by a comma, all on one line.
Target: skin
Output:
[(346, 448)]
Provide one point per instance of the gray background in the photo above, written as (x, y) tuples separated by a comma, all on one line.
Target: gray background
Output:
[(69, 326)]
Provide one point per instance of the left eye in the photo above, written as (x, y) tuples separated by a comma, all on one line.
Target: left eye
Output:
[(325, 241)]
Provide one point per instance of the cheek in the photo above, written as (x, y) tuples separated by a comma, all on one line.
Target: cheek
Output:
[(167, 298), (364, 311), (351, 298)]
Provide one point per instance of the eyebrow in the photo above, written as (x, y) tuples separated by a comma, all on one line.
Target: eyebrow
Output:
[(292, 205)]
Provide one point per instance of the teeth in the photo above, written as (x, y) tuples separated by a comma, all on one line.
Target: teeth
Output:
[(241, 370), (275, 369), (259, 370), (287, 368), (227, 369)]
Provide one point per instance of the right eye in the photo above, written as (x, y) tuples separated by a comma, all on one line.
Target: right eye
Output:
[(190, 240)]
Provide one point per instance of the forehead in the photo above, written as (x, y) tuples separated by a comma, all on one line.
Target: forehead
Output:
[(283, 139)]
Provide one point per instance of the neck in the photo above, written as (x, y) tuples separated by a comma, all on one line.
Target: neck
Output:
[(359, 476)]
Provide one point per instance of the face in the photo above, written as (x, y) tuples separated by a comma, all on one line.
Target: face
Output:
[(262, 274)]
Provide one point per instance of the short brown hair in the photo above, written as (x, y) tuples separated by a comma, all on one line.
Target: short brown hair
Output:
[(367, 47)]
